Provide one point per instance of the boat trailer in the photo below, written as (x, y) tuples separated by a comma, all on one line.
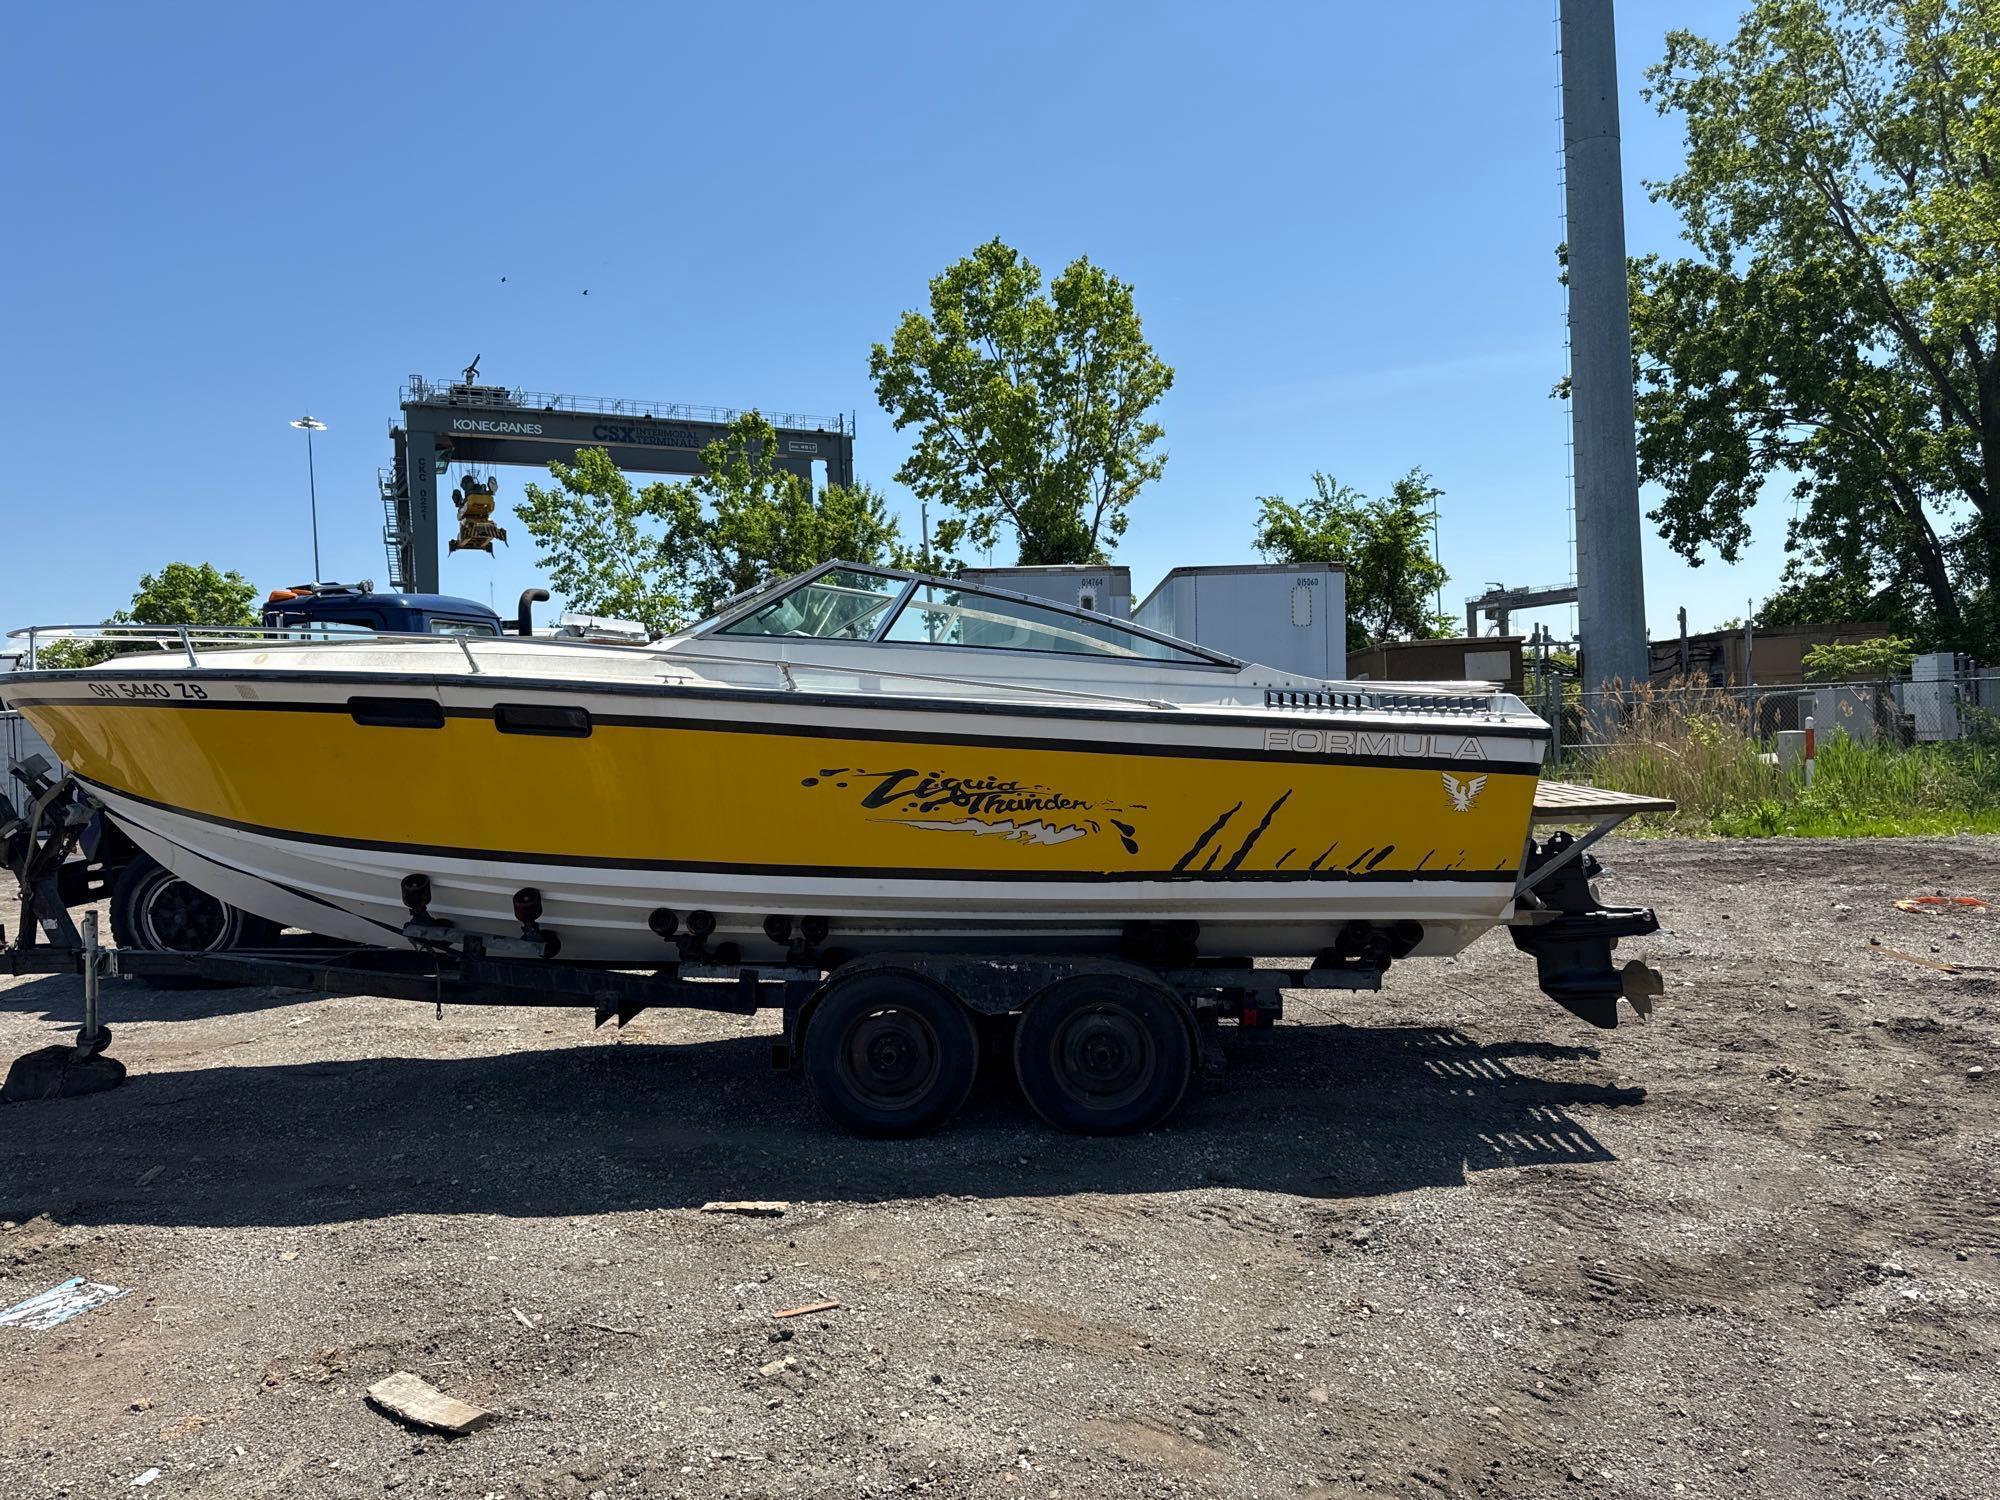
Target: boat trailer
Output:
[(1096, 1051)]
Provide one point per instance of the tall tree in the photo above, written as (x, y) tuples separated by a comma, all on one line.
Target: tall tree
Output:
[(666, 553), (765, 522), (1385, 544), (1031, 408), (1839, 322), (179, 594), (191, 594), (612, 550)]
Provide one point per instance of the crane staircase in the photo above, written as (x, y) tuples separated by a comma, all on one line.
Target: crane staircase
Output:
[(395, 524)]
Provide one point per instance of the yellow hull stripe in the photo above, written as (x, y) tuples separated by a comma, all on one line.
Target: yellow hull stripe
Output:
[(718, 799)]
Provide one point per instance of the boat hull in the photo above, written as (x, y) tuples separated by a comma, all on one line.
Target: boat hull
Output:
[(307, 799)]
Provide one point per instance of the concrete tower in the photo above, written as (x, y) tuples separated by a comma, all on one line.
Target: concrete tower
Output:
[(1610, 579)]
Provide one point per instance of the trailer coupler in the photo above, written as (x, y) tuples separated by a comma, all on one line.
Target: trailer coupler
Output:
[(1571, 934)]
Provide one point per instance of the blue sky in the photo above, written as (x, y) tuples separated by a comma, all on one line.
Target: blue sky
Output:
[(1339, 218)]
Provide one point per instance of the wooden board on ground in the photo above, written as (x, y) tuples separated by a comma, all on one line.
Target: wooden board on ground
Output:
[(416, 1401), (810, 1307)]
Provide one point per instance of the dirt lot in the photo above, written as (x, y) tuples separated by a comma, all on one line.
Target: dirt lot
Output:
[(1434, 1242)]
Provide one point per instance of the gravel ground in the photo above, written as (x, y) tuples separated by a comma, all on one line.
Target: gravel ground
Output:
[(1440, 1241)]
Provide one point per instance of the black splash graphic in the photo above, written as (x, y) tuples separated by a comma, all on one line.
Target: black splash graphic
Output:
[(1206, 834), (1323, 855), (1257, 833)]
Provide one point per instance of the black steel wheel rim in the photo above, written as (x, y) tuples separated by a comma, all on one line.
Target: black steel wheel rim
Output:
[(890, 1058), (177, 918), (1104, 1056)]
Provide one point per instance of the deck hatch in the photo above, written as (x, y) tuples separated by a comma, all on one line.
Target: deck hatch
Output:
[(565, 721), (397, 713)]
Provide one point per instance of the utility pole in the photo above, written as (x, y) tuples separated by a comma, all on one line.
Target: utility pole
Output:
[(1610, 578)]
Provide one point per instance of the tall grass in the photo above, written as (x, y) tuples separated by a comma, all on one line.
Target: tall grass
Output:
[(1700, 747)]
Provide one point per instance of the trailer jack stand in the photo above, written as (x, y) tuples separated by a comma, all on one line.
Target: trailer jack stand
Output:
[(34, 843), (65, 1071)]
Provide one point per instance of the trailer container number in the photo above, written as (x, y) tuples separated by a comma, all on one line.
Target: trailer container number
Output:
[(165, 690)]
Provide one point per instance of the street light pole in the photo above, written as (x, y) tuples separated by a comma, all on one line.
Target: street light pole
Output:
[(310, 425), (1434, 555)]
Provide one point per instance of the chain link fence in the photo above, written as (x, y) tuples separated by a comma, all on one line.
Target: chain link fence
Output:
[(1895, 713)]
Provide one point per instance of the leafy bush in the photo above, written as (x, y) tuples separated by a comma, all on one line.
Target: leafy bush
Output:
[(1875, 660)]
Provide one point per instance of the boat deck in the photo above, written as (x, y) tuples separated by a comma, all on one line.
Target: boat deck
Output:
[(1568, 802)]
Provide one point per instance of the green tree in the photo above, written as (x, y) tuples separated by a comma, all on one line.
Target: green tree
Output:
[(666, 553), (612, 550), (179, 594), (1838, 324), (1392, 576), (765, 522), (1882, 658), (1817, 598), (191, 594), (1031, 408)]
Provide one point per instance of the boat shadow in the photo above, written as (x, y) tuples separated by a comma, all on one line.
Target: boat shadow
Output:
[(1330, 1111), (58, 999)]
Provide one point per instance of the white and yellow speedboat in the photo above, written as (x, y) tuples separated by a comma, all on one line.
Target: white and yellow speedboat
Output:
[(911, 762)]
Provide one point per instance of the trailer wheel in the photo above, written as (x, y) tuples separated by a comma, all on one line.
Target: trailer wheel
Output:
[(155, 911), (888, 1053), (1103, 1054)]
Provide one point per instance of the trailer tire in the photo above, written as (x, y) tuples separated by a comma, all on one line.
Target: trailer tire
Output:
[(1104, 1054), (154, 911), (888, 1053)]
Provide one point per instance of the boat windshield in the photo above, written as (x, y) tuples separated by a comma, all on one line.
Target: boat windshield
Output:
[(837, 605), (853, 604), (942, 616)]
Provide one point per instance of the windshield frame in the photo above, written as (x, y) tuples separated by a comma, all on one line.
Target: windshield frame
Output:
[(750, 600)]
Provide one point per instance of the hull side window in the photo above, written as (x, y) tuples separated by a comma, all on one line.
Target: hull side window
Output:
[(397, 713)]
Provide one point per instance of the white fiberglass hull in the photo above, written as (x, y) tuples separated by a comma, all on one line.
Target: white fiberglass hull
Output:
[(350, 895)]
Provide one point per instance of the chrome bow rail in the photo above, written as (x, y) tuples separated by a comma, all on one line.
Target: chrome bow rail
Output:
[(97, 643)]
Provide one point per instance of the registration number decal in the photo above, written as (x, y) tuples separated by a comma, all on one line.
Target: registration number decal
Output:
[(171, 691)]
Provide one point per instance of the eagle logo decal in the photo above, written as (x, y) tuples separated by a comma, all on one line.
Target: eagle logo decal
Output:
[(1463, 793)]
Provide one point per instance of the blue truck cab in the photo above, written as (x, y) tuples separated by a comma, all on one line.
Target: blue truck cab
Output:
[(356, 606)]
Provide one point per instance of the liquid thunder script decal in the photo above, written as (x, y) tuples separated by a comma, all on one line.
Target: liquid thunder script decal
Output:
[(984, 806)]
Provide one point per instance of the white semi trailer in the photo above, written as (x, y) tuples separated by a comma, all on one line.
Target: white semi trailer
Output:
[(1285, 615), (1102, 587), (1292, 616)]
